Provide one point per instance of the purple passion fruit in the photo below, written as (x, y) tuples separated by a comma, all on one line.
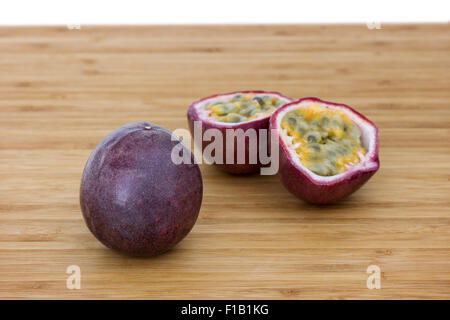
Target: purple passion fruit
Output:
[(327, 150), (236, 110), (134, 199)]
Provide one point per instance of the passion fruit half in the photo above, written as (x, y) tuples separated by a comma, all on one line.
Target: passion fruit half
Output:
[(327, 150), (245, 110)]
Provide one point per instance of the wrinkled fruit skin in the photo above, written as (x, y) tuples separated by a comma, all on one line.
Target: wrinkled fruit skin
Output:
[(303, 186), (263, 123), (134, 199)]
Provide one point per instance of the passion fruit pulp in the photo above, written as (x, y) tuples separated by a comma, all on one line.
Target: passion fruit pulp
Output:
[(327, 150), (134, 198), (245, 110), (243, 107)]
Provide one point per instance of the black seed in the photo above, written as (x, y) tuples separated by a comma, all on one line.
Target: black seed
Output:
[(237, 97), (292, 121), (336, 123), (332, 154), (325, 121), (315, 147), (345, 127), (318, 169), (315, 125), (302, 127), (233, 117), (259, 100), (311, 139)]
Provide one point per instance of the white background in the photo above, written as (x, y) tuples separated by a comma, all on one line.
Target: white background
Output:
[(34, 12)]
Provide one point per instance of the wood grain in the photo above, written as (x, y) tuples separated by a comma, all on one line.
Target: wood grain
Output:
[(62, 91)]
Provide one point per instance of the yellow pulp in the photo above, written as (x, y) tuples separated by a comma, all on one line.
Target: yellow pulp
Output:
[(244, 107), (326, 140)]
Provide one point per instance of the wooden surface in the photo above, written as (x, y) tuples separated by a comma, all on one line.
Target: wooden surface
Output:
[(62, 91)]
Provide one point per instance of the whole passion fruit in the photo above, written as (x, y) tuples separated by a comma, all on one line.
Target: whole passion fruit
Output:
[(236, 119), (134, 198), (327, 150)]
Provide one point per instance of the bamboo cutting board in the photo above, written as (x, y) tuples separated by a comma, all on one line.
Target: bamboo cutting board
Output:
[(62, 90)]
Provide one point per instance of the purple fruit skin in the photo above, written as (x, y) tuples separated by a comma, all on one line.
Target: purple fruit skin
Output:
[(234, 168), (262, 123), (134, 199), (303, 187)]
